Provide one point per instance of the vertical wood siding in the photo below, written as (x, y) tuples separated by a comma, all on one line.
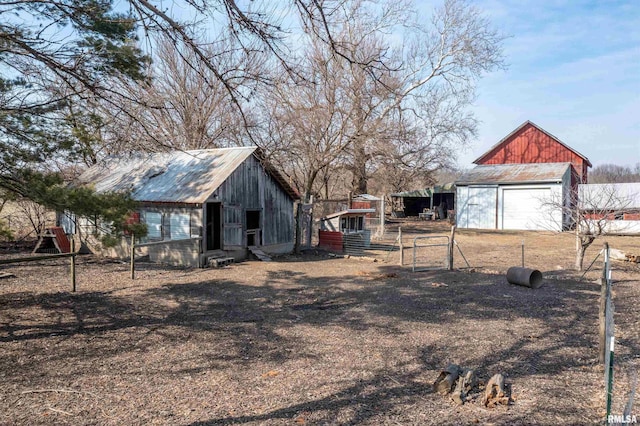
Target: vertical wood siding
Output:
[(251, 187), (530, 145)]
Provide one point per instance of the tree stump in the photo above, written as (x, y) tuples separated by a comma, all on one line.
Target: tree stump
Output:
[(466, 383), (494, 393), (446, 380)]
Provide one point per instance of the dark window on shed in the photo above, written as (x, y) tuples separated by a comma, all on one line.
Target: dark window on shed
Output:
[(253, 219)]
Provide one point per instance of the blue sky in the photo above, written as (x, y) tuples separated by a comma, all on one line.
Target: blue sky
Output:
[(574, 70)]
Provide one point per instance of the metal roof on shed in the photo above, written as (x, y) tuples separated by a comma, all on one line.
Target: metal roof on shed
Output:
[(610, 196), (366, 197), (417, 193), (514, 173), (174, 177), (349, 212)]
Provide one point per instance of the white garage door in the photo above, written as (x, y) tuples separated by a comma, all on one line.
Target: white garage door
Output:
[(524, 208)]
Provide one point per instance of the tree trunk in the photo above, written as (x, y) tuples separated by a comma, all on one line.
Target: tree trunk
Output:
[(580, 256), (359, 169)]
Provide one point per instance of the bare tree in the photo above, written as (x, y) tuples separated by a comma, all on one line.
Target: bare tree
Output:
[(613, 173), (405, 113), (593, 210), (184, 106), (88, 52)]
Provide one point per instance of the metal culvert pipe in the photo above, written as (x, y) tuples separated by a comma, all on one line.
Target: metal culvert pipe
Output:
[(531, 278)]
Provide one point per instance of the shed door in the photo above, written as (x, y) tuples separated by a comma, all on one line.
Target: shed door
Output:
[(481, 207), (213, 228), (523, 208), (232, 227)]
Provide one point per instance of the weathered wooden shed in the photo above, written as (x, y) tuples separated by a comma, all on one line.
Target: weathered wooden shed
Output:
[(515, 196), (529, 143), (203, 204)]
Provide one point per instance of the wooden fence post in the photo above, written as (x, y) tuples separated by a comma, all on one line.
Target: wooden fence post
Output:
[(401, 246), (133, 256), (450, 248), (73, 266)]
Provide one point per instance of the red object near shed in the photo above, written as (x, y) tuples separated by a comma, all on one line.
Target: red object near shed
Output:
[(530, 143), (330, 240)]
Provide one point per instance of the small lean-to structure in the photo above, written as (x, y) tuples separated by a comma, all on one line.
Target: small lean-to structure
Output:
[(198, 205), (347, 227), (437, 198)]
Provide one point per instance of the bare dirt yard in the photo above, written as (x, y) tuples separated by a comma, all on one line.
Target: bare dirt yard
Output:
[(313, 339)]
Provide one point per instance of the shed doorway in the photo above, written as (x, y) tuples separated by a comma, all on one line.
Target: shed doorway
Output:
[(213, 225), (253, 228)]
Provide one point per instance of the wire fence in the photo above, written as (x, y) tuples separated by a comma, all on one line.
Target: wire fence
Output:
[(430, 252), (400, 244), (607, 337), (607, 348)]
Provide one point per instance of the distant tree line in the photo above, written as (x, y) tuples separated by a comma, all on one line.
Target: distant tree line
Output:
[(612, 173)]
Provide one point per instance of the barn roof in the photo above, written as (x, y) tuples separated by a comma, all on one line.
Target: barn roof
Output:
[(517, 130), (173, 177), (514, 173)]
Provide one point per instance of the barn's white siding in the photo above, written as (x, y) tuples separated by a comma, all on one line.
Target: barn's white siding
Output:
[(476, 207), (621, 201), (493, 197), (531, 207)]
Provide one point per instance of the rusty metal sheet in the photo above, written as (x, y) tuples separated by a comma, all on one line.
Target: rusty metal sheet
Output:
[(515, 173)]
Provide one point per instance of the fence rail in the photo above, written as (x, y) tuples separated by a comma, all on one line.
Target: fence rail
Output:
[(72, 255)]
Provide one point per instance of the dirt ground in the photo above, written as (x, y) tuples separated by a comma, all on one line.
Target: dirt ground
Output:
[(313, 339)]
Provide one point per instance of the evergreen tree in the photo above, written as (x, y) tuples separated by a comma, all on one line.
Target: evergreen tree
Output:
[(52, 55)]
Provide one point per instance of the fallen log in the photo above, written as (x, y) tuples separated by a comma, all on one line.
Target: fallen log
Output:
[(494, 392), (447, 379)]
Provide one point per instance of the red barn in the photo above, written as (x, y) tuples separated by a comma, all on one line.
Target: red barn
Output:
[(530, 143)]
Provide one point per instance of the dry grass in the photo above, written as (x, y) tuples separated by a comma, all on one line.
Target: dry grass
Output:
[(310, 340)]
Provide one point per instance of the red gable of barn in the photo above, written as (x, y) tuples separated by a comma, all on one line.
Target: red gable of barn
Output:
[(532, 144)]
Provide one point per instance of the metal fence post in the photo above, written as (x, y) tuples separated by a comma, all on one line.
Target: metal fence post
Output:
[(401, 246), (603, 307)]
